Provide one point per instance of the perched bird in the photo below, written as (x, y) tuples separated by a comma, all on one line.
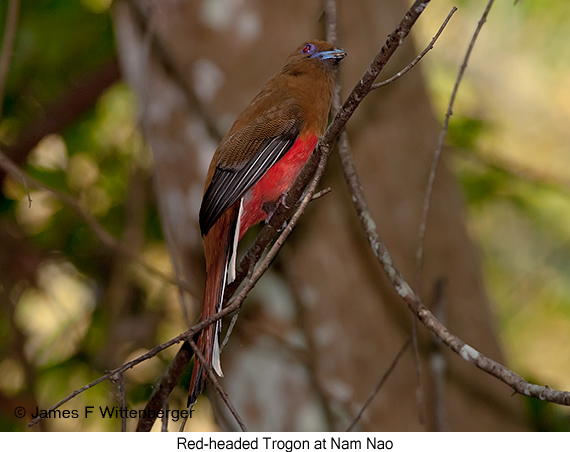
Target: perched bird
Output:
[(254, 166)]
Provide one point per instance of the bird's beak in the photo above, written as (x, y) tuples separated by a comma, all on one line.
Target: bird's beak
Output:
[(335, 54)]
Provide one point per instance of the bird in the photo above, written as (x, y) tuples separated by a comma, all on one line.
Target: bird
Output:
[(253, 168)]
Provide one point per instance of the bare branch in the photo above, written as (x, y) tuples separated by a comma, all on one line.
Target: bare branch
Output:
[(229, 331), (150, 354), (321, 193), (216, 383), (414, 303), (418, 371), (167, 383), (441, 141), (380, 384), (164, 424), (437, 362), (420, 56), (119, 379)]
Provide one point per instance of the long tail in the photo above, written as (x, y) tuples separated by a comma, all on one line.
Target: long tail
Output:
[(219, 248)]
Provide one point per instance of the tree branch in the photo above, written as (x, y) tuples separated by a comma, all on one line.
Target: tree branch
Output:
[(148, 355), (167, 383), (380, 384), (217, 385), (417, 59)]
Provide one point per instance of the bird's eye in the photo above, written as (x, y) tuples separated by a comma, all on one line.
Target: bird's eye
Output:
[(308, 49)]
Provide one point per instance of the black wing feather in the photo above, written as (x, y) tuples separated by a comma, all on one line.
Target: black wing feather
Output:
[(228, 184)]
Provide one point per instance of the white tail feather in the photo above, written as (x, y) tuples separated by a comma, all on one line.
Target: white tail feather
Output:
[(232, 266), (216, 363), (229, 276)]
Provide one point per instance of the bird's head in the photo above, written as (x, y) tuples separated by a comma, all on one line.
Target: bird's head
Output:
[(313, 55)]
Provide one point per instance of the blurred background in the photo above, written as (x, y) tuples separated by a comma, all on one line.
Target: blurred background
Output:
[(120, 105)]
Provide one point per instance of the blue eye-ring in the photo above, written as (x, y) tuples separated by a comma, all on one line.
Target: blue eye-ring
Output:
[(308, 48)]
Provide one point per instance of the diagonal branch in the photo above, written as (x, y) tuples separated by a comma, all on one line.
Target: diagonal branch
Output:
[(148, 355), (166, 385), (216, 383), (380, 384), (119, 379), (417, 59)]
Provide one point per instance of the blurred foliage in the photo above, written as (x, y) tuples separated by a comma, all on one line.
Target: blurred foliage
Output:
[(57, 42), (72, 309)]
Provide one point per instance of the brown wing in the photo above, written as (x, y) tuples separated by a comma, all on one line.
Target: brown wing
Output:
[(246, 155)]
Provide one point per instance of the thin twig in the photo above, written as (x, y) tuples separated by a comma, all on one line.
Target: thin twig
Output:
[(418, 373), (380, 384), (183, 424), (321, 193), (123, 401), (27, 192), (229, 331), (438, 150), (120, 379), (437, 362), (420, 56), (163, 389), (217, 385), (429, 192), (413, 302), (148, 355), (8, 46), (164, 424)]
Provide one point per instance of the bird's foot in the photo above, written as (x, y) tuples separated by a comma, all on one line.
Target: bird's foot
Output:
[(271, 208)]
